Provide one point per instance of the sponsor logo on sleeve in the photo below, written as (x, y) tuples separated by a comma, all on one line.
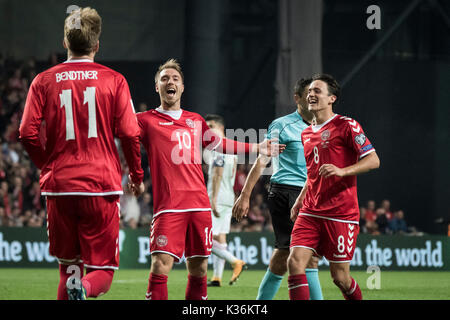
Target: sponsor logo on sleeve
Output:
[(366, 148), (360, 139)]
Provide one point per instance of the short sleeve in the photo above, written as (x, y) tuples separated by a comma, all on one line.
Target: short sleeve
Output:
[(357, 139), (273, 130)]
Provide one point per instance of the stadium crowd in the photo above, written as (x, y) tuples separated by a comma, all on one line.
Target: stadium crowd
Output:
[(22, 205)]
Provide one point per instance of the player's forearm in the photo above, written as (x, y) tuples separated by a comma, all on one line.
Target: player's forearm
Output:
[(35, 151), (215, 186), (369, 162), (302, 194), (132, 152), (229, 146), (253, 176)]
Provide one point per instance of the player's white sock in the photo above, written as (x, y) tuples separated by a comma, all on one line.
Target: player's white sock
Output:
[(218, 266), (220, 250)]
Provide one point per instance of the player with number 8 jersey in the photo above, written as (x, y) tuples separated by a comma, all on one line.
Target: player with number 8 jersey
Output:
[(342, 142), (326, 212)]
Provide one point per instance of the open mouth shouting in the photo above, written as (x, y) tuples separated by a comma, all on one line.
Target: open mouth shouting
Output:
[(171, 92)]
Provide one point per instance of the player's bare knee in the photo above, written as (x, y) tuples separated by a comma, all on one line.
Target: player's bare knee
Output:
[(294, 264), (278, 262), (339, 283), (161, 265), (197, 266), (342, 281), (313, 263)]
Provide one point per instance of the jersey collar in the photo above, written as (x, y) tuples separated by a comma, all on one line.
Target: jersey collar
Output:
[(316, 128)]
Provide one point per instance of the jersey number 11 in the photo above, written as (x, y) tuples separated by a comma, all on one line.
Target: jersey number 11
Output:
[(66, 102)]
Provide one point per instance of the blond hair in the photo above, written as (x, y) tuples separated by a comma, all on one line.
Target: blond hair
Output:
[(82, 30), (169, 64)]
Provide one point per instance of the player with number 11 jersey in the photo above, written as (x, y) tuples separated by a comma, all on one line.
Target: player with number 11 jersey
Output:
[(84, 105)]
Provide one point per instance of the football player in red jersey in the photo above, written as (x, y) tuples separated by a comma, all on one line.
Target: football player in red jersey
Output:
[(84, 105), (326, 212), (173, 138)]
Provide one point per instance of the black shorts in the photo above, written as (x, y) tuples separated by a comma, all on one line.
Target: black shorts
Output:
[(281, 199)]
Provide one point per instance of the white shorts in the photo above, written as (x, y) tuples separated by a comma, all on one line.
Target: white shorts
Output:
[(222, 223)]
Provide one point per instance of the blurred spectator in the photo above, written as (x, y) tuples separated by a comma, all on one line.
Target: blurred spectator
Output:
[(145, 206), (15, 219), (3, 218), (398, 224), (381, 221), (372, 228), (258, 215), (370, 211), (362, 220), (17, 193), (5, 199), (386, 205), (129, 209), (142, 107), (241, 176)]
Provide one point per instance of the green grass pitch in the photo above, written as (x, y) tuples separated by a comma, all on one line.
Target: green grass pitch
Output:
[(41, 284)]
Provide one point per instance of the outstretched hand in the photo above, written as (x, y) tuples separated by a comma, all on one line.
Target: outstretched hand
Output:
[(240, 207), (271, 147)]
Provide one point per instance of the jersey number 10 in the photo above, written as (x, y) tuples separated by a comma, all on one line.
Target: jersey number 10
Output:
[(66, 102)]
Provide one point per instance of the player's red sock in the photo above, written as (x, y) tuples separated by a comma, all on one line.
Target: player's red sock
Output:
[(157, 287), (354, 293), (63, 276), (196, 288), (298, 287), (97, 281)]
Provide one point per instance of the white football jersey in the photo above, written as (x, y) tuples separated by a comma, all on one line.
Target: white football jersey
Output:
[(229, 164)]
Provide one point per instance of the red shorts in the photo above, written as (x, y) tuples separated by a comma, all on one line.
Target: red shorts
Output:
[(84, 228), (178, 233), (335, 240)]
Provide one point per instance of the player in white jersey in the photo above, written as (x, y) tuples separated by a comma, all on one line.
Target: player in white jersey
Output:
[(221, 176)]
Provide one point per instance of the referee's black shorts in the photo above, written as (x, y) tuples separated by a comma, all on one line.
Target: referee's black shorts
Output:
[(281, 199)]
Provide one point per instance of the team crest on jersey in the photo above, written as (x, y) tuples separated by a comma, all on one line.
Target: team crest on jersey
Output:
[(360, 139), (190, 123), (161, 241), (325, 135)]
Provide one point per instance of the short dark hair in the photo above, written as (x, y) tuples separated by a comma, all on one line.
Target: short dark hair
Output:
[(333, 86), (215, 118), (300, 86)]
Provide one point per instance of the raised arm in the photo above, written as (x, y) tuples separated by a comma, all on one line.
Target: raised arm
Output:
[(212, 141)]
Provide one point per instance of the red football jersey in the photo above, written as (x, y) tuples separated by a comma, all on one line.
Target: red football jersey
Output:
[(339, 141), (84, 106), (174, 150)]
